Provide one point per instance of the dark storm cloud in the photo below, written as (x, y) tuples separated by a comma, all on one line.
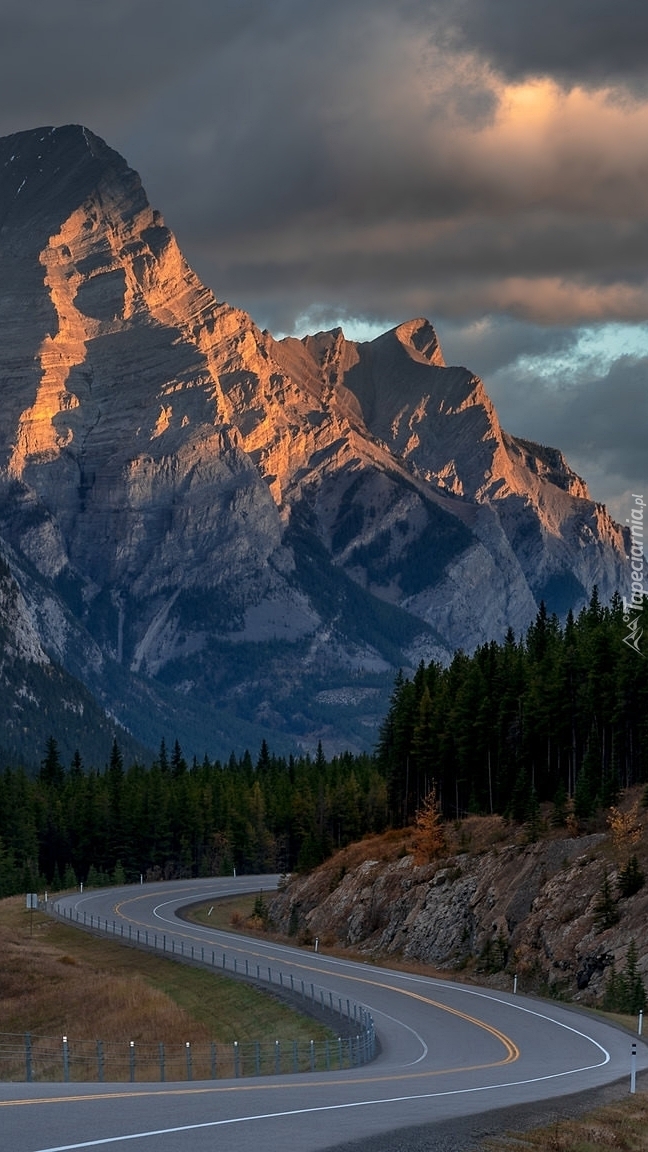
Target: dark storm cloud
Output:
[(610, 416), (459, 159), (356, 156), (592, 42), (345, 151), (67, 60)]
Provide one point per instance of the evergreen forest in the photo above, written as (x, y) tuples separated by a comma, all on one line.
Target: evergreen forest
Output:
[(560, 715)]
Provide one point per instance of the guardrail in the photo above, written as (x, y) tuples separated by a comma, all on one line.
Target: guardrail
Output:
[(24, 1056), (48, 1058)]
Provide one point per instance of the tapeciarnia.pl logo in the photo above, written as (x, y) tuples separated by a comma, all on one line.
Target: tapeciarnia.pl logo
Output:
[(632, 608)]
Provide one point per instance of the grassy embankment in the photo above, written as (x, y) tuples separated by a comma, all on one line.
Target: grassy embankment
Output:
[(60, 981)]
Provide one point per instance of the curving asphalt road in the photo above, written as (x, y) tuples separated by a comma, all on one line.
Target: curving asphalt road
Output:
[(446, 1051)]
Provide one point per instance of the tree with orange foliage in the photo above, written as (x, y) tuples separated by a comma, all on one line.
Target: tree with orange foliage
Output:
[(626, 829), (429, 832)]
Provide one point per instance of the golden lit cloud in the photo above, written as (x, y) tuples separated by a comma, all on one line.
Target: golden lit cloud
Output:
[(576, 149), (549, 300), (374, 158)]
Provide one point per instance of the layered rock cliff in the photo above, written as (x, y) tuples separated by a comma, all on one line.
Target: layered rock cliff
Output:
[(510, 908), (242, 524)]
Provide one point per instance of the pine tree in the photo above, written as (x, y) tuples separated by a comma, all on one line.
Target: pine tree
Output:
[(263, 762), (52, 772), (9, 874), (533, 819), (520, 797), (631, 878), (115, 784), (606, 913), (76, 767), (178, 762), (163, 759), (612, 992), (396, 743), (423, 745), (625, 991), (559, 814), (635, 992), (584, 800)]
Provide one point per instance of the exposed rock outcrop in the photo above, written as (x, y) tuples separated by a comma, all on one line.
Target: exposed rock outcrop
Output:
[(525, 909)]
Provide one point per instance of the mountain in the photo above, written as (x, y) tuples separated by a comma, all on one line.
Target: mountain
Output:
[(38, 697), (247, 535)]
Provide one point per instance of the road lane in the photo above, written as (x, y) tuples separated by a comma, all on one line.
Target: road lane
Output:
[(446, 1050)]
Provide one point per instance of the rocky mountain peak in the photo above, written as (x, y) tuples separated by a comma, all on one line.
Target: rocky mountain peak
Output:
[(47, 171), (420, 339), (194, 491)]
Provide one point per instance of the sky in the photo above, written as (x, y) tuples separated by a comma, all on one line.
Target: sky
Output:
[(482, 163)]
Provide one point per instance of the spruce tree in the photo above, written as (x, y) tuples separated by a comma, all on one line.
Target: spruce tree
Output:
[(178, 762), (51, 772), (634, 990), (606, 913), (631, 878), (533, 820)]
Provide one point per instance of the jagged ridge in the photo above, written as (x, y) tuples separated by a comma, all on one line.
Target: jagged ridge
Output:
[(237, 516)]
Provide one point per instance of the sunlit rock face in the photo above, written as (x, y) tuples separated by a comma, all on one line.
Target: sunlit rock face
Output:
[(522, 500), (117, 447), (230, 515)]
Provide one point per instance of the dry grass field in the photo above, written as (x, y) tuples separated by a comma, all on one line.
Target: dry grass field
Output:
[(622, 1126), (60, 981)]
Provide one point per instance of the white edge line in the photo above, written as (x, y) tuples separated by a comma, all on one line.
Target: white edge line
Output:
[(441, 984), (309, 1111)]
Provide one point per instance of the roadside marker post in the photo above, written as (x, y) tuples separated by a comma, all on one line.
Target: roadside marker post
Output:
[(31, 903), (640, 1024), (633, 1068)]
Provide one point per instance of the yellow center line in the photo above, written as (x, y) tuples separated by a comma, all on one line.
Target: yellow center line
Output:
[(512, 1050), (389, 1078)]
